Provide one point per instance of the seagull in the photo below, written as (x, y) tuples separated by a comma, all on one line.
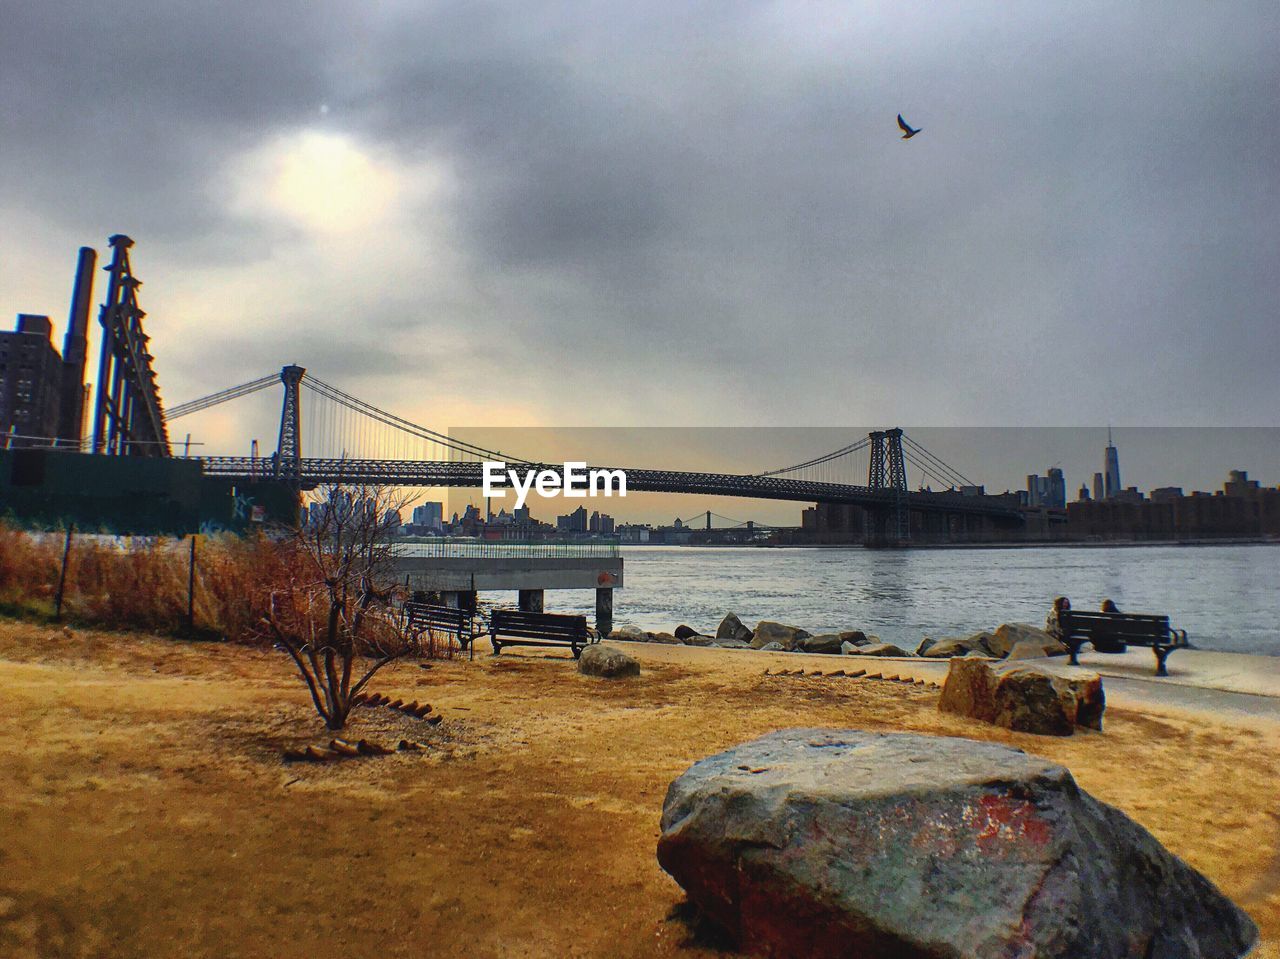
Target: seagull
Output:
[(907, 132)]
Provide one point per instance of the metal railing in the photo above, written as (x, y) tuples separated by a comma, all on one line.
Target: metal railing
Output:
[(465, 548)]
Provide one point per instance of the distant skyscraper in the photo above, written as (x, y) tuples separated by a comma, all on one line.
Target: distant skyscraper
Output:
[(1097, 486), (1111, 469)]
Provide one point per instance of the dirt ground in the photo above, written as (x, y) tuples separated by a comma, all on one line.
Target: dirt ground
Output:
[(147, 810)]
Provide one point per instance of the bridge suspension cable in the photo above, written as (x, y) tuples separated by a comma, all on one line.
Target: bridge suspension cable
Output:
[(213, 399), (820, 460), (321, 388), (950, 475)]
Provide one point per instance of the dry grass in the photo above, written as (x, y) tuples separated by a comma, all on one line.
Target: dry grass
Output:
[(147, 812), (142, 584)]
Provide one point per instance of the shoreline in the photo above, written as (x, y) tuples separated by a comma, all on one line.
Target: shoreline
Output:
[(1038, 544)]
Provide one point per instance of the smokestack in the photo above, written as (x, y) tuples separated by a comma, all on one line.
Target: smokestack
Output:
[(75, 352)]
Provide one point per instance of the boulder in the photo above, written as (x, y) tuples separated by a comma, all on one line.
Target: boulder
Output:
[(951, 646), (857, 637), (1024, 698), (769, 632), (822, 643), (698, 640), (732, 628), (1036, 649), (631, 634), (684, 632), (880, 649), (664, 638), (825, 843), (1008, 635), (925, 645), (607, 662), (774, 647), (849, 649)]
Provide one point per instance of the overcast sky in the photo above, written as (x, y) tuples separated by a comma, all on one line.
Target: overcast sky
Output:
[(668, 213)]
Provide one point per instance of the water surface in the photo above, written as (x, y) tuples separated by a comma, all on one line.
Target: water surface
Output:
[(1226, 597)]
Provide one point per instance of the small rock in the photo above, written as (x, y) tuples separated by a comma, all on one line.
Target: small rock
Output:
[(699, 640), (774, 647), (607, 662), (880, 649), (732, 628), (732, 644), (630, 634), (769, 632), (666, 639)]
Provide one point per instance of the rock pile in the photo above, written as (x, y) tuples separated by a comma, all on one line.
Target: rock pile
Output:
[(824, 843), (1012, 640)]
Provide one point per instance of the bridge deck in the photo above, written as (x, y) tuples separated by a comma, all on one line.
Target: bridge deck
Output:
[(317, 472)]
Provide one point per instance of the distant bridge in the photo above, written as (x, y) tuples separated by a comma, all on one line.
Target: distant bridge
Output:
[(319, 472)]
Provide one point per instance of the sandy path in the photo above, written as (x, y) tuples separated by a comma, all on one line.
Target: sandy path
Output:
[(147, 812)]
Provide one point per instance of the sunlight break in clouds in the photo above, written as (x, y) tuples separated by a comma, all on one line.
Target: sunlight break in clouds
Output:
[(320, 180)]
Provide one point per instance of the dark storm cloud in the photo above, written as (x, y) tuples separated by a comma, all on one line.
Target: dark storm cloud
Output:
[(709, 203)]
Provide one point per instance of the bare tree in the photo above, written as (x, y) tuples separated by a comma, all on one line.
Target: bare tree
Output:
[(339, 606)]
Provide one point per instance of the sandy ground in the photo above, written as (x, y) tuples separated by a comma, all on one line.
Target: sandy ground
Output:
[(147, 812)]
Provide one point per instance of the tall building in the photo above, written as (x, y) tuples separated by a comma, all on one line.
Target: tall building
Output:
[(30, 382), (42, 394), (430, 515), (1111, 469), (1098, 493)]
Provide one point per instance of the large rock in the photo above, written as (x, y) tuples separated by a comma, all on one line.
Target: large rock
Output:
[(732, 628), (1036, 649), (878, 649), (607, 662), (857, 637), (1009, 635), (683, 632), (630, 634), (825, 843), (822, 643), (1024, 698), (954, 646), (769, 632)]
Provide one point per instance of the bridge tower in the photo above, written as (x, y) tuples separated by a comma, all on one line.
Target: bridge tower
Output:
[(289, 446), (128, 419), (888, 471)]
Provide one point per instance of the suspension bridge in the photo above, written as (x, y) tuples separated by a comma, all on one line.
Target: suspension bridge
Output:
[(363, 444)]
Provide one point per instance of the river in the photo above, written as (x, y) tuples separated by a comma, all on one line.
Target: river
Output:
[(1226, 597)]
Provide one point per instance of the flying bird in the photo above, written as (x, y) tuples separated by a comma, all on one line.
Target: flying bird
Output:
[(907, 132)]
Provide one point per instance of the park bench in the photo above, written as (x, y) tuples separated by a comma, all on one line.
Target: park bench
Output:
[(516, 627), (455, 623), (1114, 632)]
